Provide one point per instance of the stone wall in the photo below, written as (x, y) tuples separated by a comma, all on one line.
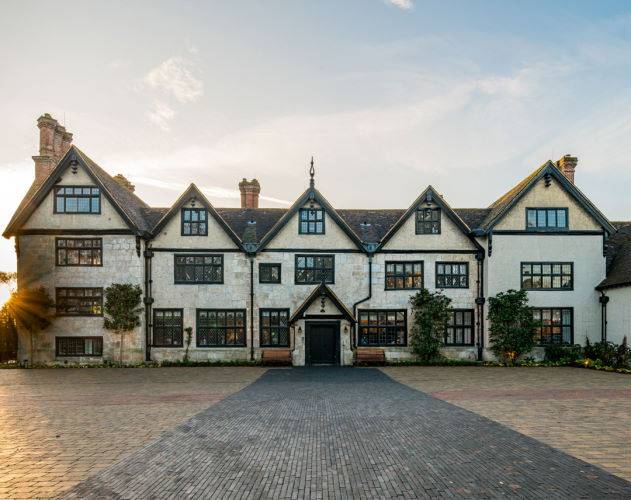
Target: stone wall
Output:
[(121, 264)]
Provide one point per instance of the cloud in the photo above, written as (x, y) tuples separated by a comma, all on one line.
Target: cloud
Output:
[(171, 84), (161, 114), (401, 4), (175, 77)]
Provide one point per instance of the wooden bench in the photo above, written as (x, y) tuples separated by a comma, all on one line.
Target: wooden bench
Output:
[(370, 356), (276, 357)]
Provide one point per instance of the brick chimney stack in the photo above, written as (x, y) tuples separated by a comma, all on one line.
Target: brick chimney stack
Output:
[(54, 143), (567, 165), (249, 193)]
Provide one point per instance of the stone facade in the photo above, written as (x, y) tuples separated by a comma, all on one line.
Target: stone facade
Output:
[(145, 256)]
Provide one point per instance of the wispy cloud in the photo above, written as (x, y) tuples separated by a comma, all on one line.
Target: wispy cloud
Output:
[(161, 114), (173, 82), (176, 77), (211, 191), (401, 4)]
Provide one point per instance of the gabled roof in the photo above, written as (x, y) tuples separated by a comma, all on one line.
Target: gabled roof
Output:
[(504, 203), (251, 224), (473, 217), (619, 257), (370, 225), (310, 194), (127, 204), (429, 195), (319, 291), (193, 192)]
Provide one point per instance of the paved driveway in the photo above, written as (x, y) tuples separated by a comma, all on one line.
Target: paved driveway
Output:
[(339, 433), (585, 413), (59, 426)]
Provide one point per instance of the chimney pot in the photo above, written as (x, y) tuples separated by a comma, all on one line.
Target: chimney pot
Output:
[(249, 193), (567, 165)]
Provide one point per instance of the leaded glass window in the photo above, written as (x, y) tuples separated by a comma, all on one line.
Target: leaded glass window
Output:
[(274, 327)]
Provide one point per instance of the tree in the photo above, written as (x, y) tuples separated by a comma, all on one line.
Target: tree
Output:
[(512, 324), (122, 310), (430, 312), (7, 278), (31, 309)]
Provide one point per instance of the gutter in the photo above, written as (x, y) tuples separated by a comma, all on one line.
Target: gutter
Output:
[(368, 297)]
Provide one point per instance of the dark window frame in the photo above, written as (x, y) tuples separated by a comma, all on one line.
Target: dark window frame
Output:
[(309, 222), (315, 269), (65, 196), (421, 224), (547, 227), (463, 326), (93, 249), (225, 328), (542, 274), (262, 328), (98, 342), (198, 255), (266, 266), (396, 276), (198, 221), (58, 301), (453, 263), (538, 330), (361, 328), (173, 335)]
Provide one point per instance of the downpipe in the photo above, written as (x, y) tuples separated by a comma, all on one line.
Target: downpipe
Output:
[(368, 297)]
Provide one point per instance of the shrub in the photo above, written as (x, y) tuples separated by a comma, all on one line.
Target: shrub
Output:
[(511, 325), (604, 352), (623, 354), (564, 353), (430, 313)]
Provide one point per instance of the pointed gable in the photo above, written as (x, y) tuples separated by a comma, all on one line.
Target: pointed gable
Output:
[(285, 233), (322, 301), (454, 234), (546, 186), (168, 230), (77, 168)]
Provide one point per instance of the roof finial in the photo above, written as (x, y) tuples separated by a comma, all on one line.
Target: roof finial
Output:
[(311, 174)]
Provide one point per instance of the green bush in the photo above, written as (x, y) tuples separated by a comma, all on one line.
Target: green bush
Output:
[(430, 313), (511, 325), (564, 353), (605, 352)]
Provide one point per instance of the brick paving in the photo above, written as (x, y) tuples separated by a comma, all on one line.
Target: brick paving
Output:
[(585, 413), (340, 433), (59, 426)]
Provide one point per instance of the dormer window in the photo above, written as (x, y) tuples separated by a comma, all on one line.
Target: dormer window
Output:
[(546, 219), (428, 221), (194, 222), (311, 221), (77, 200)]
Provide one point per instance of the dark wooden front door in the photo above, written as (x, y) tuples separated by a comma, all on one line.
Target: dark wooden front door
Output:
[(323, 343)]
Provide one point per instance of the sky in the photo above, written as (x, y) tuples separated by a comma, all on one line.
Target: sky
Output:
[(389, 96)]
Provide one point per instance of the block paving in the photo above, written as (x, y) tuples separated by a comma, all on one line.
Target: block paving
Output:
[(59, 426), (585, 413), (342, 433)]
